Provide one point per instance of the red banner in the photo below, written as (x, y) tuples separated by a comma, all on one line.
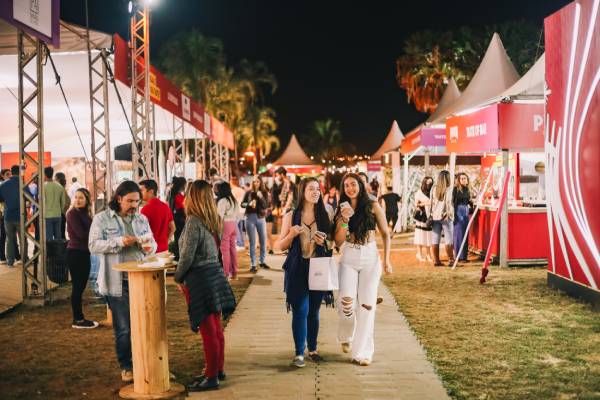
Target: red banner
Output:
[(12, 158), (162, 91), (572, 141), (521, 126), (476, 132)]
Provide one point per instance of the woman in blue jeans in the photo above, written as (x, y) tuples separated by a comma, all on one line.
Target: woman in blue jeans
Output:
[(304, 232), (256, 204), (461, 200), (442, 213)]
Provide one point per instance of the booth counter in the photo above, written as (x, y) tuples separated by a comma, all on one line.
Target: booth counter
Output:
[(528, 241)]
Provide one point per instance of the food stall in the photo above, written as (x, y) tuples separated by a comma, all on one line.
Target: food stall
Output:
[(510, 123)]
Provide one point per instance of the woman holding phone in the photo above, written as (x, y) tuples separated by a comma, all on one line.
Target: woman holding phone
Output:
[(360, 266), (256, 204), (304, 233)]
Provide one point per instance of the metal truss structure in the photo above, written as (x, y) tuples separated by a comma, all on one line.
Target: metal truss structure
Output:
[(31, 154), (200, 155), (179, 146), (142, 150)]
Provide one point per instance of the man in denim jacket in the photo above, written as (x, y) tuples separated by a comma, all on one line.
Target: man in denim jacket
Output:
[(115, 237)]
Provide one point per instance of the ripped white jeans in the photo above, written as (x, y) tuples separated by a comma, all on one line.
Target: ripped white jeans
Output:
[(360, 271)]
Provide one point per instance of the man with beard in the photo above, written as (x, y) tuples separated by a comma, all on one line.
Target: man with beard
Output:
[(116, 236)]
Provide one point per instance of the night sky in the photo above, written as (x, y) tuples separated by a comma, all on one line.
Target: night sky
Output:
[(331, 58)]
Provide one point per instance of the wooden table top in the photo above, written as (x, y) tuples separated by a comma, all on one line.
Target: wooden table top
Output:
[(134, 266)]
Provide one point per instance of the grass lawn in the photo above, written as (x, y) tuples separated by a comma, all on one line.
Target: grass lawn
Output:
[(42, 357), (511, 338)]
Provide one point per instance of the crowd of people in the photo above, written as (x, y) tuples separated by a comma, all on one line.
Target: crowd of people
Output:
[(442, 210), (204, 223)]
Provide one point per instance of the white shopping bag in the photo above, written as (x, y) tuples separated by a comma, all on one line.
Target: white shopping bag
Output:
[(323, 274)]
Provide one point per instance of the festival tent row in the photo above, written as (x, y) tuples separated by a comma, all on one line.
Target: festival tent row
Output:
[(513, 108), (508, 123)]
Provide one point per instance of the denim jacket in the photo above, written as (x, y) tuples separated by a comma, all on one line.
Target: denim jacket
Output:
[(106, 243)]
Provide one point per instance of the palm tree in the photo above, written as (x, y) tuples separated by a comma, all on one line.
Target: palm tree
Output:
[(192, 61), (325, 140)]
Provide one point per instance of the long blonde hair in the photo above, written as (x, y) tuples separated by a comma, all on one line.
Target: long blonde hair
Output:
[(199, 201), (442, 184)]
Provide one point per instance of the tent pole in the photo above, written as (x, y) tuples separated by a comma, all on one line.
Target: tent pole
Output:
[(503, 239)]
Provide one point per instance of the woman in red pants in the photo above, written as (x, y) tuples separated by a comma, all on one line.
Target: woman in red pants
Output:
[(201, 278)]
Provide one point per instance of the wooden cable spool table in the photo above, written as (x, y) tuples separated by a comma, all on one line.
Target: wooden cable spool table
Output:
[(149, 344)]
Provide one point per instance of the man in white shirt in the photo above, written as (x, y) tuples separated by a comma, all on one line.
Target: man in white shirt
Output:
[(74, 187)]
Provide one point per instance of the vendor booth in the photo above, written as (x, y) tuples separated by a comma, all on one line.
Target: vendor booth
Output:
[(511, 123), (427, 140)]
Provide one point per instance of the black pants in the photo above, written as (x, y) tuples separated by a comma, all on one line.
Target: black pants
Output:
[(79, 266), (393, 217), (2, 240), (63, 226)]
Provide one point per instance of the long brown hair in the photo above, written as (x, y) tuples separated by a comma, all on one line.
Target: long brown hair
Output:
[(88, 200), (200, 202), (363, 216), (321, 216)]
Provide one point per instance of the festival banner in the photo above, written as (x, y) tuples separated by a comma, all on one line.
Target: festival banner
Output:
[(424, 136), (521, 126), (476, 132), (572, 145)]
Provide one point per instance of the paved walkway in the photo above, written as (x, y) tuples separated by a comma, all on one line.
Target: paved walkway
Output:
[(259, 348)]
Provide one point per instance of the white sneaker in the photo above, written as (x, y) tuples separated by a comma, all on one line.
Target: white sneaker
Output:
[(127, 375)]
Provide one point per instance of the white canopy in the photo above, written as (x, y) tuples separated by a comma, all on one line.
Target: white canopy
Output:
[(60, 137), (293, 154), (530, 86), (71, 59), (495, 74), (391, 142)]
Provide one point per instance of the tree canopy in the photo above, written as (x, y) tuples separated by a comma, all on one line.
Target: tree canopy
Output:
[(430, 58)]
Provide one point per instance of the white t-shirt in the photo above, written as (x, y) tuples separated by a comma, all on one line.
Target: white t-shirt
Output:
[(74, 187)]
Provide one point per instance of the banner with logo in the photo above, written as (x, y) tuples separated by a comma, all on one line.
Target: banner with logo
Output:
[(476, 132), (162, 91), (38, 18), (572, 142)]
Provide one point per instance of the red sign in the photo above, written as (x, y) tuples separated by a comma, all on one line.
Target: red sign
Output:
[(521, 126), (12, 158), (476, 132), (162, 91), (572, 141), (221, 134)]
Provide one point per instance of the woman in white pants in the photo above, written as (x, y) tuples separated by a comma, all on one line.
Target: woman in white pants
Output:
[(360, 267)]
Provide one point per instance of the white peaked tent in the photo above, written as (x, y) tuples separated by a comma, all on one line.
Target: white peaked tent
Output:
[(529, 87), (391, 142), (495, 74), (450, 96), (294, 155)]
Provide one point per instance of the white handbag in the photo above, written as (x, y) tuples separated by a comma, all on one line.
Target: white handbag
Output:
[(323, 274)]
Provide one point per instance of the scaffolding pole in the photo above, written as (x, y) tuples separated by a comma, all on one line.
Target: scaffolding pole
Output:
[(179, 146), (214, 160), (31, 154), (142, 150), (100, 138)]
